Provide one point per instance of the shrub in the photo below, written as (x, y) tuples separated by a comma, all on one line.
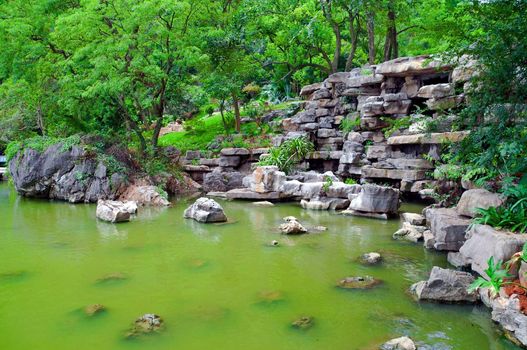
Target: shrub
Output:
[(288, 154), (349, 124), (512, 215)]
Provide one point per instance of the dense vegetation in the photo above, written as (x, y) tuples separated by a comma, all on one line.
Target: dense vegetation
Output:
[(122, 69)]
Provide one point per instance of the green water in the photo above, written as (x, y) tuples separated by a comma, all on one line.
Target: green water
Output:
[(206, 282)]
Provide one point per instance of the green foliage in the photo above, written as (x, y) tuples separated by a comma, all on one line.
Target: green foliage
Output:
[(497, 145), (40, 144), (350, 181), (113, 166), (328, 182), (395, 124), (512, 215), (496, 278), (349, 124), (288, 154)]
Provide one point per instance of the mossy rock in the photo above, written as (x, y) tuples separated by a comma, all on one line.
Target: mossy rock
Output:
[(303, 322), (146, 324), (112, 277), (366, 282), (94, 309), (270, 297)]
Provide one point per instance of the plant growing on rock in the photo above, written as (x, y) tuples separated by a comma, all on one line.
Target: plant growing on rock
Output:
[(512, 215), (288, 154), (328, 182), (496, 278)]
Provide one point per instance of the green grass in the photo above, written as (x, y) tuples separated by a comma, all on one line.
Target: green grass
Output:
[(207, 128)]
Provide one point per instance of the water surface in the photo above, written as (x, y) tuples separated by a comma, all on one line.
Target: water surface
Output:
[(216, 286)]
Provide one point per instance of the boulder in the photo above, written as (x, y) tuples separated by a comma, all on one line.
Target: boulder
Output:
[(447, 227), (222, 181), (471, 200), (309, 89), (410, 232), (506, 312), (414, 219), (445, 285), (303, 322), (411, 66), (145, 195), (146, 324), (436, 91), (325, 203), (402, 343), (370, 258), (360, 282), (265, 179), (205, 210), (376, 199), (292, 226), (113, 211), (92, 310), (484, 242), (263, 204), (68, 174)]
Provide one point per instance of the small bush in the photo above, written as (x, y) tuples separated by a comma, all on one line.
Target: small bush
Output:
[(288, 154)]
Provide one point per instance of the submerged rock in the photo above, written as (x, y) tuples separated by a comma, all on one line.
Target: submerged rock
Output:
[(303, 322), (112, 277), (365, 282), (114, 211), (410, 232), (402, 343), (146, 324), (445, 285), (205, 210), (270, 296), (370, 258), (263, 204), (94, 309), (292, 226)]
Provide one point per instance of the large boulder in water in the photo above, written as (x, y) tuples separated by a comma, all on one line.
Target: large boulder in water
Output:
[(69, 174), (292, 226), (402, 343), (376, 199), (114, 211), (445, 285), (265, 179), (205, 210)]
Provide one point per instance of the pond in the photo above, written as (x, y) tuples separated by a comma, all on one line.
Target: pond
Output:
[(216, 286)]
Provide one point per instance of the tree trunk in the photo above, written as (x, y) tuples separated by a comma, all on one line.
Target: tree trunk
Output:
[(326, 9), (371, 37), (222, 110), (237, 118), (40, 120), (391, 49), (354, 33)]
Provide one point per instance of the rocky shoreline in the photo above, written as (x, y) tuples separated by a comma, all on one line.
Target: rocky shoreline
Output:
[(383, 168)]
